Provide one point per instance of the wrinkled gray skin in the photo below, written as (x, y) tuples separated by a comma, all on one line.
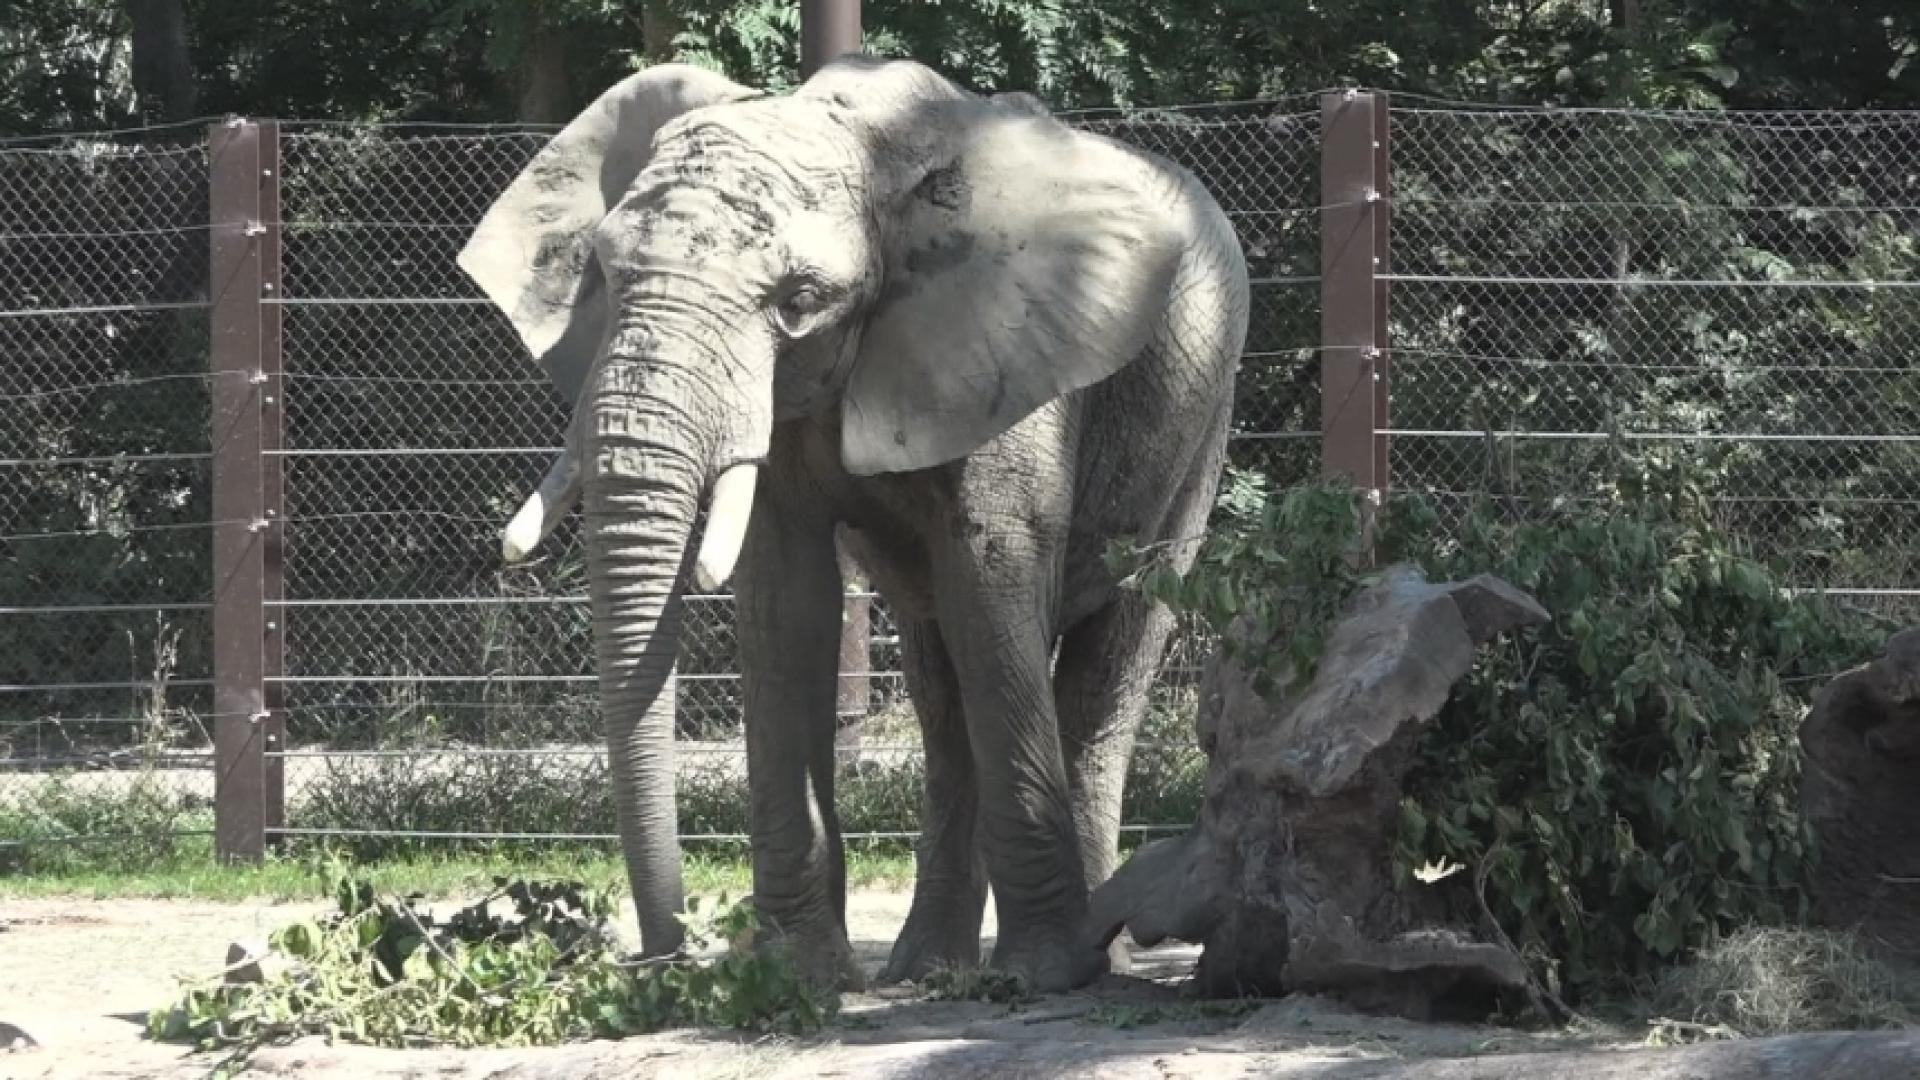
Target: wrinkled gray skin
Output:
[(985, 343)]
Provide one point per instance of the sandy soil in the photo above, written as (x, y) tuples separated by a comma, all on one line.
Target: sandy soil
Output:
[(79, 975)]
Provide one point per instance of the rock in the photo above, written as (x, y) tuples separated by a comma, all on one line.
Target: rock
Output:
[(248, 960), (1286, 879), (1857, 793), (15, 1041)]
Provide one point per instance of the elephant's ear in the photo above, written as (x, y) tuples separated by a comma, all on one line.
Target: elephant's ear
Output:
[(1029, 261), (532, 254)]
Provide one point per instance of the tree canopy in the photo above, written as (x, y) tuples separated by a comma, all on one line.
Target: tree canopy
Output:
[(84, 64)]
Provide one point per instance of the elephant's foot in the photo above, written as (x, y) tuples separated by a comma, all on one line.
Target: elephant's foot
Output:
[(828, 961), (937, 934), (820, 955), (1050, 960)]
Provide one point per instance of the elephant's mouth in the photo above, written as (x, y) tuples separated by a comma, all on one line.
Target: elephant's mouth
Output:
[(729, 510)]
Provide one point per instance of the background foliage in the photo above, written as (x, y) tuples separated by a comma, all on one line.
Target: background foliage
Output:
[(76, 64)]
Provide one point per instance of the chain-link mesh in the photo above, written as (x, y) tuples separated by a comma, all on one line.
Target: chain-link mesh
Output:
[(1733, 294), (1732, 291), (415, 426), (104, 584)]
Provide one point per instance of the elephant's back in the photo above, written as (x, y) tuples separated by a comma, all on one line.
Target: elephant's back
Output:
[(1151, 438)]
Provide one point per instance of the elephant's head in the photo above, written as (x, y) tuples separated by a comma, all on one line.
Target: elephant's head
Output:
[(692, 261)]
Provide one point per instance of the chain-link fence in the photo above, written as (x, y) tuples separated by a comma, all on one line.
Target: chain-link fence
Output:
[(105, 661), (415, 426), (1739, 290), (1732, 295)]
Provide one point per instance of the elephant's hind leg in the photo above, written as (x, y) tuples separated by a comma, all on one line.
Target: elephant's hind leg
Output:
[(950, 883), (1102, 685), (998, 634)]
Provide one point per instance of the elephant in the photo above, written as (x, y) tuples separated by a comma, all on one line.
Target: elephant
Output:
[(972, 342)]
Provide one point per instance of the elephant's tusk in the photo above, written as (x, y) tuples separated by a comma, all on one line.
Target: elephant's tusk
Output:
[(542, 511), (727, 515)]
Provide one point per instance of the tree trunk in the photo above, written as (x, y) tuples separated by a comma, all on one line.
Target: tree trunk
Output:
[(163, 83), (658, 26), (544, 97)]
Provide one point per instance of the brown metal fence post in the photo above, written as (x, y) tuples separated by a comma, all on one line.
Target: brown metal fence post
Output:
[(831, 28), (1354, 238), (237, 250), (828, 28), (273, 483)]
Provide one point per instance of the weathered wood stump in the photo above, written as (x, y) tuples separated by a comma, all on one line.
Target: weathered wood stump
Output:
[(1860, 794), (1285, 879)]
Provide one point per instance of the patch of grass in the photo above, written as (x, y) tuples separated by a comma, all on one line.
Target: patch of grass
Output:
[(69, 822), (1770, 981), (193, 874)]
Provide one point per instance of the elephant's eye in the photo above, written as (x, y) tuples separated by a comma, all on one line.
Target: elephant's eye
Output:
[(796, 309)]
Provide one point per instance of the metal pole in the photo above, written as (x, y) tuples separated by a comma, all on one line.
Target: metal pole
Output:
[(239, 544), (273, 483), (854, 695), (828, 28), (1353, 294)]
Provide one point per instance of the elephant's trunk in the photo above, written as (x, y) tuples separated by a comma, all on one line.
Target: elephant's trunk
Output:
[(651, 446)]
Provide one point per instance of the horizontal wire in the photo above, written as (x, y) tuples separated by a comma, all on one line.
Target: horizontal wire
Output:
[(105, 309), (109, 234), (537, 600), (92, 838), (1634, 283), (1700, 368), (408, 451), (375, 301), (295, 127), (36, 688), (410, 380), (680, 747), (1615, 204), (687, 677), (172, 760), (735, 838), (1721, 116), (107, 609), (118, 384), (200, 123), (178, 716), (108, 459), (1435, 433), (1644, 436)]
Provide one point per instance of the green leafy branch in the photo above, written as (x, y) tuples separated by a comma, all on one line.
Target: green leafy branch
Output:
[(533, 963)]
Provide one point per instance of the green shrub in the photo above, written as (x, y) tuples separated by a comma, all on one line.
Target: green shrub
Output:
[(69, 822), (1627, 772)]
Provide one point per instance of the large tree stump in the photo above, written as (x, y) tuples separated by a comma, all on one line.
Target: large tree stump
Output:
[(1860, 794), (1285, 879)]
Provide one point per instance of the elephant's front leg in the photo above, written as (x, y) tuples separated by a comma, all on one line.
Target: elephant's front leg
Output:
[(789, 602), (950, 880), (997, 623)]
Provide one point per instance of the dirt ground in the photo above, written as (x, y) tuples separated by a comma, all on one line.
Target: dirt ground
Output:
[(78, 976)]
